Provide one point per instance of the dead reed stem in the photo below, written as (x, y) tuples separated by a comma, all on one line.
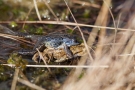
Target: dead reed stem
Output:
[(14, 82)]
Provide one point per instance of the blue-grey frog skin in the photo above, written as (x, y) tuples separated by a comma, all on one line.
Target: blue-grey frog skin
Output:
[(56, 41), (52, 41)]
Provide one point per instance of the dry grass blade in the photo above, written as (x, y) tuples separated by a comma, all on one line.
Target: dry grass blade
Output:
[(102, 32), (67, 23), (42, 58), (27, 16), (119, 75), (91, 59), (16, 38), (107, 4), (51, 10), (100, 19), (15, 79), (30, 84), (123, 12), (86, 3), (57, 19), (62, 66), (36, 8), (90, 41)]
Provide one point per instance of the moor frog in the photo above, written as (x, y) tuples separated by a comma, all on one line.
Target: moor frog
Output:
[(54, 43), (59, 55)]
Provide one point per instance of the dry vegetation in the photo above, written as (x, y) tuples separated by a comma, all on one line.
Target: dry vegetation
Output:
[(110, 66)]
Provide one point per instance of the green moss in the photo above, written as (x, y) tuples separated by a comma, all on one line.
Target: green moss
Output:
[(1, 2), (39, 30), (86, 13), (13, 24), (15, 12), (17, 60), (81, 75), (50, 25), (3, 72), (70, 31)]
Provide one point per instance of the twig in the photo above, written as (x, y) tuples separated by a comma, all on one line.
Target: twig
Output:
[(68, 23), (51, 10), (27, 16), (62, 66), (35, 4), (30, 84), (15, 79), (16, 38), (41, 57), (86, 3), (115, 26)]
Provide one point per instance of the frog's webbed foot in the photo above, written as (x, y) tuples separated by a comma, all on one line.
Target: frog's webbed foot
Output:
[(68, 51)]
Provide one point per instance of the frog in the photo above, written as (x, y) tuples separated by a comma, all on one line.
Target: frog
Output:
[(59, 55), (55, 42), (55, 45)]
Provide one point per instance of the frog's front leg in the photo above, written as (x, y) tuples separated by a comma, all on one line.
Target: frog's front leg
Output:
[(37, 57), (68, 51)]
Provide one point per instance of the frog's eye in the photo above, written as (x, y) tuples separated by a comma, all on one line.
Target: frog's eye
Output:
[(47, 44), (75, 41)]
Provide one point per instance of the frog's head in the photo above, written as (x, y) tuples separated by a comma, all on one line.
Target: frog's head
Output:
[(71, 42)]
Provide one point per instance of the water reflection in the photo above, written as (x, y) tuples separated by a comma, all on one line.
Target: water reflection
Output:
[(12, 43)]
